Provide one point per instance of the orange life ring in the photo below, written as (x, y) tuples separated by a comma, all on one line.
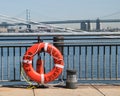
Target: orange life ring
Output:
[(40, 77)]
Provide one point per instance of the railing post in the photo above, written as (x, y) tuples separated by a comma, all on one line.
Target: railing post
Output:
[(58, 41)]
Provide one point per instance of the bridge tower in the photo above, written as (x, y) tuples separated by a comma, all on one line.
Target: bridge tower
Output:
[(98, 24), (28, 20), (83, 26), (88, 25)]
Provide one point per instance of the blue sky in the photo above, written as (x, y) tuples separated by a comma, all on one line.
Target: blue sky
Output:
[(47, 10)]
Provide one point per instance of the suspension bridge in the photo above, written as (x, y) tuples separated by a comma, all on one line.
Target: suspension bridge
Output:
[(85, 25)]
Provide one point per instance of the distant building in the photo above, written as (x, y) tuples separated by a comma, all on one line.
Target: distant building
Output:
[(3, 29)]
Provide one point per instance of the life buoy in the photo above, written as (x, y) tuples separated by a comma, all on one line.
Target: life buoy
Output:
[(40, 77)]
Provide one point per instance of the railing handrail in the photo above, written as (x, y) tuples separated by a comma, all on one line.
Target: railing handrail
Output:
[(63, 34)]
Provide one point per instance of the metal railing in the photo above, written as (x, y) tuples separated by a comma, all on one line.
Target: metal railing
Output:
[(94, 56)]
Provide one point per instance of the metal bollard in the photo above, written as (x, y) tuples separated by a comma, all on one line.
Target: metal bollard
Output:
[(71, 81)]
